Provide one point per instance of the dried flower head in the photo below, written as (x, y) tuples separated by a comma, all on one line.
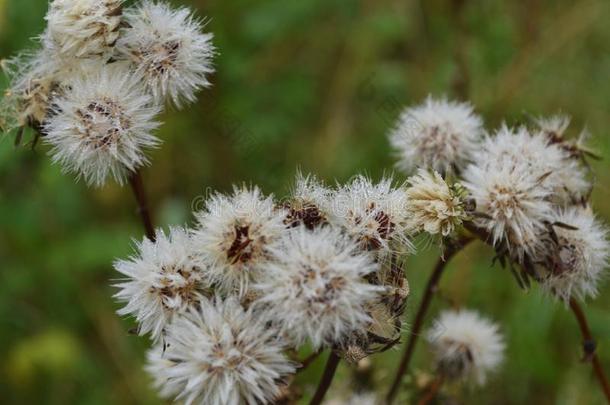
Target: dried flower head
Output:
[(234, 234), (466, 345), (307, 203), (83, 28), (373, 214), (434, 206), (512, 202), (438, 135), (575, 254), (102, 126), (168, 48), (220, 355), (316, 288), (557, 168), (34, 81), (164, 278)]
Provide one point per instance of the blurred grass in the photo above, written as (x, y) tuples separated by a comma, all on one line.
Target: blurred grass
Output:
[(312, 84)]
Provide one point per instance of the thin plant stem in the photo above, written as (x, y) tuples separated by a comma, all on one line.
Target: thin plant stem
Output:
[(424, 305), (137, 186), (306, 362), (588, 340), (432, 392), (327, 378), (589, 346)]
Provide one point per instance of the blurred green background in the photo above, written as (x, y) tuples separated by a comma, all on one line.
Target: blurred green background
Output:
[(314, 84)]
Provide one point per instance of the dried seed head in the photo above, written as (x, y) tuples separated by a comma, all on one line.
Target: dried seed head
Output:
[(163, 279), (373, 214), (220, 354), (168, 48), (575, 255), (437, 135), (83, 28), (234, 234), (102, 125), (316, 288), (434, 206), (466, 345)]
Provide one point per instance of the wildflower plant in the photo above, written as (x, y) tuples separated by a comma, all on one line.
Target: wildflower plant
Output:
[(230, 302)]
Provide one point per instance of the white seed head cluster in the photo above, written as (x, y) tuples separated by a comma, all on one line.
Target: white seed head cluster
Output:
[(102, 126), (234, 235), (83, 28), (282, 274), (167, 47), (100, 76), (316, 283), (162, 279), (466, 345), (375, 214), (439, 135), (575, 257), (220, 354), (434, 207)]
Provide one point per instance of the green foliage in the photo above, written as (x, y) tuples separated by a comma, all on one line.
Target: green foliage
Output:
[(312, 84)]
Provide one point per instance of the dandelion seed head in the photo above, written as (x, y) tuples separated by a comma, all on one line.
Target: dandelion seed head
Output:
[(515, 203), (315, 286), (563, 174), (83, 28), (220, 355), (466, 345), (234, 234), (373, 214), (307, 202), (167, 46), (163, 279), (102, 126), (575, 260), (440, 135)]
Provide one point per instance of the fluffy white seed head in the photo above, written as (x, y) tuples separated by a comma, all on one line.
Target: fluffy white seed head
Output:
[(466, 345), (373, 214), (515, 204), (434, 207), (102, 126), (440, 135), (220, 355), (169, 49), (34, 81), (560, 171), (574, 260), (234, 234), (315, 286), (308, 200), (162, 280), (83, 28)]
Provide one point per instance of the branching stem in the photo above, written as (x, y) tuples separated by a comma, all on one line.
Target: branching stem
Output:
[(431, 288)]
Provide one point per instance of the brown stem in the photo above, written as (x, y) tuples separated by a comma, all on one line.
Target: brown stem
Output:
[(431, 288), (588, 341), (589, 347), (432, 392), (327, 378), (306, 362), (137, 186)]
